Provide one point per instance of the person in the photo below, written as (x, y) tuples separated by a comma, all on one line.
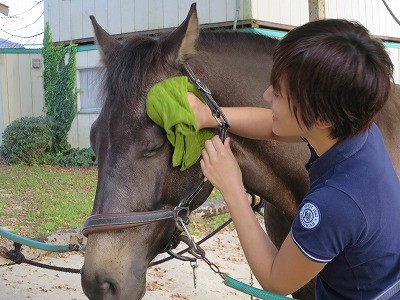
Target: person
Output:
[(328, 80)]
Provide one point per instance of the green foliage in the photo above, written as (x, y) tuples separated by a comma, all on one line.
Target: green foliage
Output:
[(27, 141), (60, 94), (76, 157)]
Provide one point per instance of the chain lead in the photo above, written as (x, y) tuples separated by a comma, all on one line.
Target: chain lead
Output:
[(194, 266), (214, 267), (251, 282)]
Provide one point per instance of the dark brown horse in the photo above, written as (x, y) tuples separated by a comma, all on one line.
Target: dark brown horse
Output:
[(135, 172)]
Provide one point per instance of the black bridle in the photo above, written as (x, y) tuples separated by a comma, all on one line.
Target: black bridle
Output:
[(180, 213)]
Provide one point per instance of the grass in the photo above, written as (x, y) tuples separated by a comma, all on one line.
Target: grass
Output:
[(42, 200), (38, 201), (201, 227)]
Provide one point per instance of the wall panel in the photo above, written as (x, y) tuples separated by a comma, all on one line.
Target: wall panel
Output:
[(88, 10), (77, 18), (25, 84), (69, 18), (21, 87), (371, 13), (127, 15), (114, 17), (65, 20)]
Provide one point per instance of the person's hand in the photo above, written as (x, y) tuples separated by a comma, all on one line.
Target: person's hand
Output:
[(220, 167), (200, 110)]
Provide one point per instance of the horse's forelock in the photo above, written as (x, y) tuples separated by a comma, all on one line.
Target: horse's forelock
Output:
[(128, 71)]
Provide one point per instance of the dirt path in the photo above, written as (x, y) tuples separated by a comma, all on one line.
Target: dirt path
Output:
[(171, 280)]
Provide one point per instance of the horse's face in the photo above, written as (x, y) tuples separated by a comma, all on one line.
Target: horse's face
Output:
[(134, 171)]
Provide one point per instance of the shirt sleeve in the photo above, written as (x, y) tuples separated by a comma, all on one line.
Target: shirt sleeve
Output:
[(328, 221)]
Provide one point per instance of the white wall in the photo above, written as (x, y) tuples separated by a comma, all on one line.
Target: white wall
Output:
[(289, 12), (69, 19), (371, 13), (21, 87)]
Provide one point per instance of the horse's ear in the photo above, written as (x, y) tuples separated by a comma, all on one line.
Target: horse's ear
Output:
[(182, 41), (105, 41)]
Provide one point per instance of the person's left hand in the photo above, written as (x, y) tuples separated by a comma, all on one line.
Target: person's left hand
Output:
[(220, 167)]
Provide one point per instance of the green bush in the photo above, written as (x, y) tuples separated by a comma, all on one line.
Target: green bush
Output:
[(76, 157), (27, 141)]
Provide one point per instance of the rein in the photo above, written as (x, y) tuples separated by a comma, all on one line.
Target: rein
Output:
[(180, 213)]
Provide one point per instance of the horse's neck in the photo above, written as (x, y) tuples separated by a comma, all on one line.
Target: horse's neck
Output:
[(388, 121), (237, 74)]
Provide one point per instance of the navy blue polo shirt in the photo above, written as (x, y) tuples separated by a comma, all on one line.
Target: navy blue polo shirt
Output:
[(350, 219)]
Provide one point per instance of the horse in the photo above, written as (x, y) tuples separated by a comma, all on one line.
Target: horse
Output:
[(135, 172)]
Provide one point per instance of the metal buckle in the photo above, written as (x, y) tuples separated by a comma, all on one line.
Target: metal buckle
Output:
[(201, 85), (218, 120), (178, 212)]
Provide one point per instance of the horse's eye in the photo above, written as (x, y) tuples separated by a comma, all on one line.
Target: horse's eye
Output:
[(154, 150)]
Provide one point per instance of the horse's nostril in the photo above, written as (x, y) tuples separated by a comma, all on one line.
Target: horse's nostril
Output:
[(100, 286), (109, 288)]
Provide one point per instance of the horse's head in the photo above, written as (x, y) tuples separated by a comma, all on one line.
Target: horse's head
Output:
[(135, 172)]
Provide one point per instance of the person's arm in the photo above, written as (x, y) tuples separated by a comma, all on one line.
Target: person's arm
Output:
[(250, 122), (283, 271)]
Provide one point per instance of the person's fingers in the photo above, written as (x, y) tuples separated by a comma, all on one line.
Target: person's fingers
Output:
[(217, 143), (227, 145), (210, 147), (202, 163), (206, 158)]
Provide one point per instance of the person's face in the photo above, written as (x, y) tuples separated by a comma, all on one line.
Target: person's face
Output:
[(284, 122)]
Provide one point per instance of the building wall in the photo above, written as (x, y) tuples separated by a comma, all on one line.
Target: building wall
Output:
[(80, 129), (21, 86), (289, 12), (371, 13), (69, 19)]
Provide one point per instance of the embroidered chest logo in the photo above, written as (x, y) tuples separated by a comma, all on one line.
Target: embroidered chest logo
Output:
[(309, 216)]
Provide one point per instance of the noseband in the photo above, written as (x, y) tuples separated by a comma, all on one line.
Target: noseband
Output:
[(180, 213)]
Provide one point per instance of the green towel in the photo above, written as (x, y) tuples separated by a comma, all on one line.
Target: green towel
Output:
[(168, 107)]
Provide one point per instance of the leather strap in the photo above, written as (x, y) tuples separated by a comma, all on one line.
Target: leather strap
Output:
[(117, 221)]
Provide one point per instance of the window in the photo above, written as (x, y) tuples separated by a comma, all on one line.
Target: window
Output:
[(89, 84)]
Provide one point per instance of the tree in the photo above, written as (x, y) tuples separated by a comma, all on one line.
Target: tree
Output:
[(60, 94)]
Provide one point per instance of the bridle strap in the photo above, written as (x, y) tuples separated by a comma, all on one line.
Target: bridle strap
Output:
[(220, 118), (118, 221), (108, 222), (218, 114)]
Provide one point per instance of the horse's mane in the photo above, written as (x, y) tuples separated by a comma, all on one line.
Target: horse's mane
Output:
[(239, 39)]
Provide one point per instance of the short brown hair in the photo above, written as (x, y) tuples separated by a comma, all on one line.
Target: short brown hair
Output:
[(334, 72)]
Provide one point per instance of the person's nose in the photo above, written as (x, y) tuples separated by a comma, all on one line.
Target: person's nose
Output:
[(267, 96)]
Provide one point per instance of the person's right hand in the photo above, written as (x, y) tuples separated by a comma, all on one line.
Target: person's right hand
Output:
[(220, 167), (201, 111)]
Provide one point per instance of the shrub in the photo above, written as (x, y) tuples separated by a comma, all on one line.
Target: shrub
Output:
[(27, 140), (76, 157)]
